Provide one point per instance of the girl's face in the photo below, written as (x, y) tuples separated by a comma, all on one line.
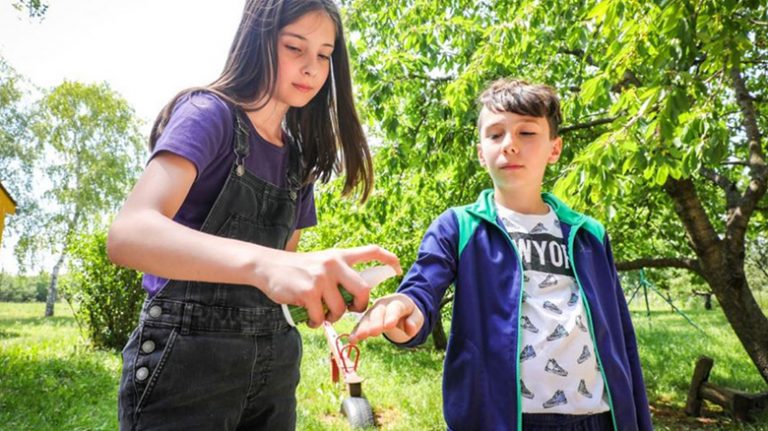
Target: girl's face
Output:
[(304, 49)]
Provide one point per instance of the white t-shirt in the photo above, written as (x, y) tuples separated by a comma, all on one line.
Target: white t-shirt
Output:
[(558, 366)]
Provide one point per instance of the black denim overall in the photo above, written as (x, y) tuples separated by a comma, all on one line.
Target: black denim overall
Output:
[(209, 356)]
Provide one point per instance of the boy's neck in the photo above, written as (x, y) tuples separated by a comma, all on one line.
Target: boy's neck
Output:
[(521, 201)]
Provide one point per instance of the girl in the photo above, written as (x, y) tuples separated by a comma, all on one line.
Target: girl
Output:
[(215, 219)]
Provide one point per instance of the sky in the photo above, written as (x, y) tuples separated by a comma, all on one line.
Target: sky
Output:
[(146, 50)]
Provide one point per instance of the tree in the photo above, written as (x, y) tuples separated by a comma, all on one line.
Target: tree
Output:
[(17, 152), (92, 146), (35, 8), (665, 114)]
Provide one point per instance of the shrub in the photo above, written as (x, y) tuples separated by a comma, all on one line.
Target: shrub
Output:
[(105, 298), (23, 288)]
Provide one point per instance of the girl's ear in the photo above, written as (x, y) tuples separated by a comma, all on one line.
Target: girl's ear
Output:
[(480, 154), (557, 149)]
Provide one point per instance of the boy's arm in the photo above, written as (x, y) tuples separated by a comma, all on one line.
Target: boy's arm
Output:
[(432, 272), (638, 385)]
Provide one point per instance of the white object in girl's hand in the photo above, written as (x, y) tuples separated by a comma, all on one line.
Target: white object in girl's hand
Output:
[(377, 274)]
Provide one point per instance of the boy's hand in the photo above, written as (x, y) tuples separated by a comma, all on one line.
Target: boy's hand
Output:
[(394, 315)]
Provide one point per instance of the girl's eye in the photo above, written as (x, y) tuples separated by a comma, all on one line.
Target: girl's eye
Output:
[(325, 57), (292, 48)]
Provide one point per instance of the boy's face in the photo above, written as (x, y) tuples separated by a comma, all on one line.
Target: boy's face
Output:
[(516, 149)]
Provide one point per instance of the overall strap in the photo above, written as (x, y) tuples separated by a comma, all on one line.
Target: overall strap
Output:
[(240, 138), (296, 164), (242, 149)]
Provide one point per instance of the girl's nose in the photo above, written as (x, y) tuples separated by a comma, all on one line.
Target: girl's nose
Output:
[(310, 68)]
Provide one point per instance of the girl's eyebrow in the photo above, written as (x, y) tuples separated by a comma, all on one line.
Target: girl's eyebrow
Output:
[(298, 36)]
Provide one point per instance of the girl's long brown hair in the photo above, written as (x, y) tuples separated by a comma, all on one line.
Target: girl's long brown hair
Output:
[(248, 80)]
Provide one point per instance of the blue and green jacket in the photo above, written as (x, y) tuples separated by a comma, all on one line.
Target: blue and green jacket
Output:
[(468, 247)]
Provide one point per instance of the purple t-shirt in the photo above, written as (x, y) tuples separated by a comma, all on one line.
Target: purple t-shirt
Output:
[(200, 129)]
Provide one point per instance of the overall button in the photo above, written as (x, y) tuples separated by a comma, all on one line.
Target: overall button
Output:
[(155, 311), (142, 374), (148, 346)]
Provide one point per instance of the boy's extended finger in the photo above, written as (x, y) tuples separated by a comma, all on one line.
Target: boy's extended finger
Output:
[(369, 253), (370, 325)]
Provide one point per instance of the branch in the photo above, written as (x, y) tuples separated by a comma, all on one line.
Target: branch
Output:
[(761, 261), (587, 125), (735, 163), (662, 262), (738, 220), (628, 80), (729, 187), (697, 225), (446, 299), (579, 53)]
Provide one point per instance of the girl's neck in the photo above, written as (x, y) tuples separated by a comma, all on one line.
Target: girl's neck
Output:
[(268, 121)]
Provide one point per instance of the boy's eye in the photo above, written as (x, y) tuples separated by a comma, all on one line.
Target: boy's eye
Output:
[(494, 136)]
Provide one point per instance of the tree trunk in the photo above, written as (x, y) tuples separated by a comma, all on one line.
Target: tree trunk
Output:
[(438, 336), (722, 265), (743, 313), (52, 288), (51, 300)]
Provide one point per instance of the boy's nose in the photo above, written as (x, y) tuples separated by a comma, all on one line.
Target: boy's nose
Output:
[(510, 145)]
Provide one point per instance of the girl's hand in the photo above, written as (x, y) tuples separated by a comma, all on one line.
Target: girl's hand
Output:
[(310, 280), (394, 315)]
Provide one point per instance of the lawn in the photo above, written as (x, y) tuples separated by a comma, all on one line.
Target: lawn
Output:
[(51, 380)]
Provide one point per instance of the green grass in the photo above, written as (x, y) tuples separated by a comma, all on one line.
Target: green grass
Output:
[(51, 380), (669, 347)]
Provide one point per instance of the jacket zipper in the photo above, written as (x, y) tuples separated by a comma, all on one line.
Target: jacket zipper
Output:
[(571, 240)]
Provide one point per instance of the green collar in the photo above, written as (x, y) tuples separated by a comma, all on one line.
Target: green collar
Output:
[(485, 208)]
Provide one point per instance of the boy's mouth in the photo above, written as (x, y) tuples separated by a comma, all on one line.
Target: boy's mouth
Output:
[(510, 166)]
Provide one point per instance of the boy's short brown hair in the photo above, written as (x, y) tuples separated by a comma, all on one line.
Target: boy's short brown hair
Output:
[(520, 97)]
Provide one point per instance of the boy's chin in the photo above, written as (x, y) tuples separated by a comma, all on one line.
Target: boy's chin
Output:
[(511, 185)]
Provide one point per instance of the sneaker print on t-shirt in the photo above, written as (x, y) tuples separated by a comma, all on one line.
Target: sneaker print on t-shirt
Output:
[(557, 374)]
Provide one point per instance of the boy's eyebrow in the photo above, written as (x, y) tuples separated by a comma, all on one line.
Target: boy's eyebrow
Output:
[(526, 119), (494, 123), (298, 36)]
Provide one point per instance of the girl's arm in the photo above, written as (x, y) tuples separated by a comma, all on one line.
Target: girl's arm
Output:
[(144, 236), (293, 243)]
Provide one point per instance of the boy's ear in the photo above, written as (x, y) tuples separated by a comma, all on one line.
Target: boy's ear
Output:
[(557, 149), (480, 154)]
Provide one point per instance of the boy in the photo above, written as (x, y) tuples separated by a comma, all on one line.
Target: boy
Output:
[(541, 336)]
